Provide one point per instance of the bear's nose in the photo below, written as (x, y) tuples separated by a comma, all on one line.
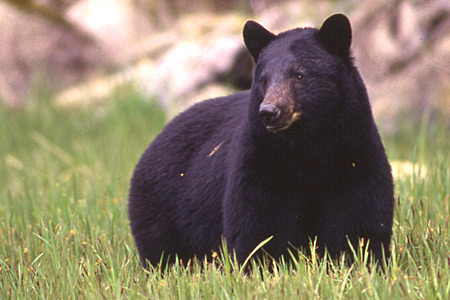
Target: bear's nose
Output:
[(269, 113)]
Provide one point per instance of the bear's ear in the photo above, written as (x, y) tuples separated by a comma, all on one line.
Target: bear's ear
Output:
[(256, 38), (336, 35)]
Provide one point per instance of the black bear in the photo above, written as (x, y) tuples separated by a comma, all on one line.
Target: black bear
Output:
[(297, 158)]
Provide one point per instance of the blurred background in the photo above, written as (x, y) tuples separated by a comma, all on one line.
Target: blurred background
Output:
[(81, 52)]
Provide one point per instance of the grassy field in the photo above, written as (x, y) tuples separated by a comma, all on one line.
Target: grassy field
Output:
[(64, 230)]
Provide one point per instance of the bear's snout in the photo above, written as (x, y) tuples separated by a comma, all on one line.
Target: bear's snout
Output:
[(269, 114), (277, 110), (277, 118)]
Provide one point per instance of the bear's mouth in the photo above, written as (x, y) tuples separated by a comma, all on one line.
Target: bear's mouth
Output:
[(274, 128)]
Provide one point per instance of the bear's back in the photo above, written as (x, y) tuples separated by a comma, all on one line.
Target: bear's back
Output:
[(209, 122)]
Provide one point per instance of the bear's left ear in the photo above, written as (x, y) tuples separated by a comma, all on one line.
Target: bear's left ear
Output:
[(336, 35), (256, 37)]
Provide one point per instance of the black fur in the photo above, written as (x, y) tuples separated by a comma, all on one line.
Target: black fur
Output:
[(218, 170)]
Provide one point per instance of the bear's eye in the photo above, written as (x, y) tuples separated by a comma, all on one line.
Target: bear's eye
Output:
[(298, 76)]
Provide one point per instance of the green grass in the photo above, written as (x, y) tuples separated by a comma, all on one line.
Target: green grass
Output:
[(64, 230)]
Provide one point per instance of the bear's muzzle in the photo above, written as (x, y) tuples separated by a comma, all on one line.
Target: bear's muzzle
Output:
[(277, 110)]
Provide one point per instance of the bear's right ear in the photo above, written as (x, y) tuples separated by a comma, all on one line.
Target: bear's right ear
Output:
[(256, 37)]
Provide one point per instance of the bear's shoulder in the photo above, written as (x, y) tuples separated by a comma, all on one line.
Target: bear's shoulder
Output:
[(219, 108)]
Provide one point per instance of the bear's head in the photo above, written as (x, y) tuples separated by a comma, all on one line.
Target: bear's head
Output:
[(299, 74)]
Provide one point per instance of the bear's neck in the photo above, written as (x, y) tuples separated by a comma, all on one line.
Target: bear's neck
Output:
[(331, 153)]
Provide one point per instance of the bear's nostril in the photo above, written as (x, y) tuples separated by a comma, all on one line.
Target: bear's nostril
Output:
[(269, 113)]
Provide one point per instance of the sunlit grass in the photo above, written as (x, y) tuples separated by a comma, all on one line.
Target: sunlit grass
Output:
[(64, 227)]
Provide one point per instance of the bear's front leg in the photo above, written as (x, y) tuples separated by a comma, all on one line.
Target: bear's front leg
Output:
[(357, 220), (245, 225)]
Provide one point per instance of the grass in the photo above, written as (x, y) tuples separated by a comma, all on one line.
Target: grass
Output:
[(64, 227)]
